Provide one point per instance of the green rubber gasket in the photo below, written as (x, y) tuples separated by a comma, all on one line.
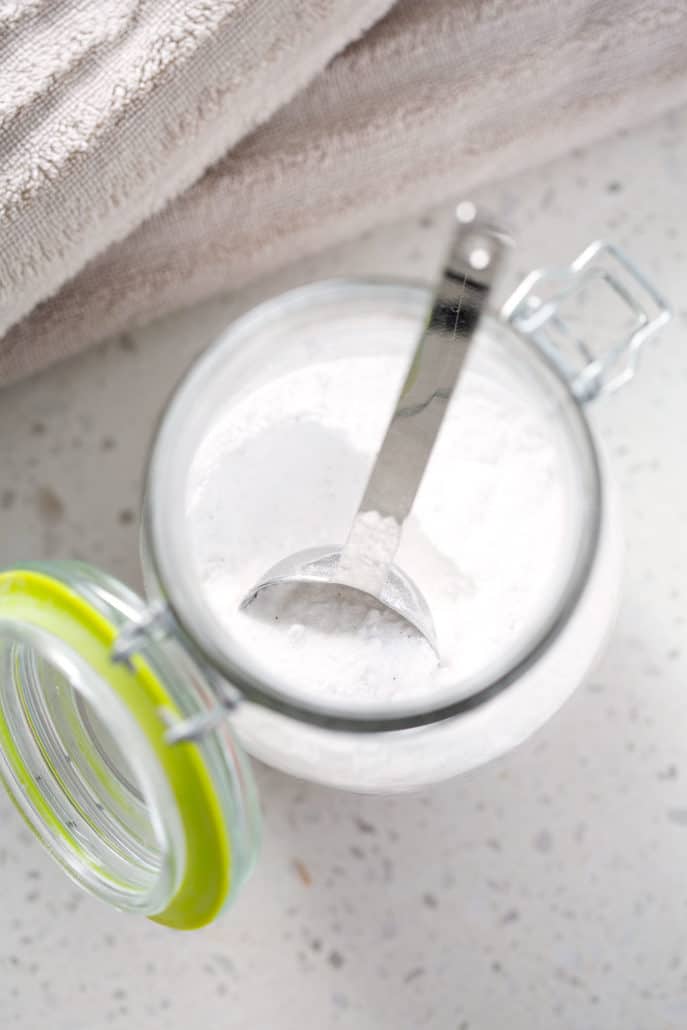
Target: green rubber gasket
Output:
[(29, 597)]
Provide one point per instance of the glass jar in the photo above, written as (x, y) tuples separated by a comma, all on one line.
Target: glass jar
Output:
[(120, 719)]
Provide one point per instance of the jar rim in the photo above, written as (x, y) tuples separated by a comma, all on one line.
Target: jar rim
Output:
[(163, 569)]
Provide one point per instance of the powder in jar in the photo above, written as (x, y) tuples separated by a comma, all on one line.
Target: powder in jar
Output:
[(283, 468)]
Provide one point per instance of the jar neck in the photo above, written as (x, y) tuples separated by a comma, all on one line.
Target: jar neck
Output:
[(511, 361)]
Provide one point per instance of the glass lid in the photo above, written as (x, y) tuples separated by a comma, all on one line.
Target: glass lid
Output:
[(153, 828), (266, 449)]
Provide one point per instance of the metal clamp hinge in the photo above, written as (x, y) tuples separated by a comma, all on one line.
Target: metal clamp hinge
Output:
[(196, 727), (534, 309), (156, 623)]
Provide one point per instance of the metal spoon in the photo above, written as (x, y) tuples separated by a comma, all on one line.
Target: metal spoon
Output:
[(366, 561)]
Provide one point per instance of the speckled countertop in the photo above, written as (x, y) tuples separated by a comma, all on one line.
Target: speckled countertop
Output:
[(546, 891)]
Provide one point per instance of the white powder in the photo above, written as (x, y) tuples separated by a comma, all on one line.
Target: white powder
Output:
[(283, 468), (369, 551)]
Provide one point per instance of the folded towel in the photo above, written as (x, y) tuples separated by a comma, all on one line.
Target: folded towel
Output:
[(439, 96), (109, 108)]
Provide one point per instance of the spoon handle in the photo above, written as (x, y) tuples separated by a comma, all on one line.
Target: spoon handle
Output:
[(469, 272)]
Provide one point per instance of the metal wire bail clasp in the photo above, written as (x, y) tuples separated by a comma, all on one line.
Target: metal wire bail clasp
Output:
[(156, 624), (548, 303)]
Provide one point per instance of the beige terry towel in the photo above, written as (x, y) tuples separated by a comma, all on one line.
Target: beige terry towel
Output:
[(110, 107), (439, 95)]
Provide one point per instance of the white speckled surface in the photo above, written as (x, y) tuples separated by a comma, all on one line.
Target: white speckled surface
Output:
[(546, 891)]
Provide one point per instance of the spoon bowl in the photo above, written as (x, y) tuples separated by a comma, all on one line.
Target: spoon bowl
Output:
[(325, 565)]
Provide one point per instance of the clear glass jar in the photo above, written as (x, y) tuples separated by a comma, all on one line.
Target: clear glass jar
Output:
[(119, 718)]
